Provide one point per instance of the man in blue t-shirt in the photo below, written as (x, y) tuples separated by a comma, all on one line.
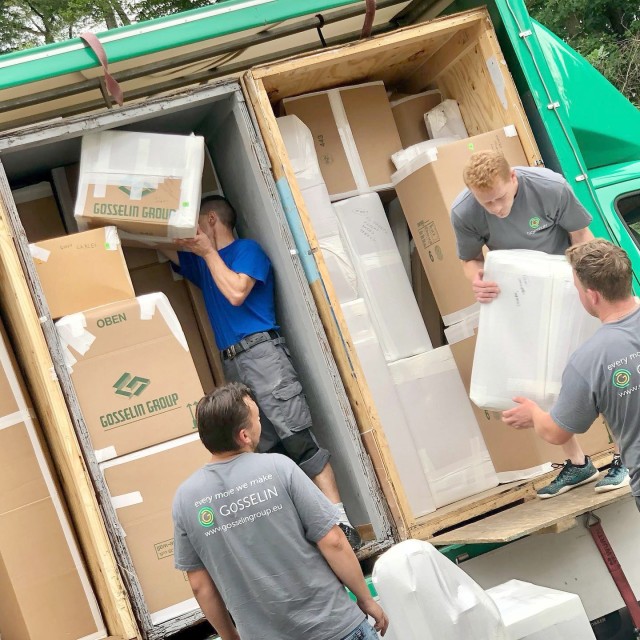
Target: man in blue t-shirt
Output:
[(236, 279)]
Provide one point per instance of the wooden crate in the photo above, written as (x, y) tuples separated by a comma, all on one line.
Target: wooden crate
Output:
[(460, 56)]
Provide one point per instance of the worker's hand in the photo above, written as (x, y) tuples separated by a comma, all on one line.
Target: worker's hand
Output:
[(201, 245), (520, 417), (484, 291), (371, 608)]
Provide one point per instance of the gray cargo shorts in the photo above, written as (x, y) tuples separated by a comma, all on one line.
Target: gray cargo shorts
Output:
[(268, 371)]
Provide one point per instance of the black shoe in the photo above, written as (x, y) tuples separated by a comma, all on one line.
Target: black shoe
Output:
[(352, 535)]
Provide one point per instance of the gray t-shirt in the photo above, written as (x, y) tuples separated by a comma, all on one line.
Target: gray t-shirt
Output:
[(544, 211), (252, 522), (603, 377)]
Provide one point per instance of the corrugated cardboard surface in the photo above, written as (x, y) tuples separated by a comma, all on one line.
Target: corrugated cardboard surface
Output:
[(42, 579), (148, 524), (39, 212), (513, 449), (408, 112), (370, 125), (80, 272), (426, 196), (137, 384), (161, 277)]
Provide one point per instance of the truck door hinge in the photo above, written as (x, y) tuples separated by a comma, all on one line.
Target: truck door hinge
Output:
[(526, 33), (581, 178), (553, 105)]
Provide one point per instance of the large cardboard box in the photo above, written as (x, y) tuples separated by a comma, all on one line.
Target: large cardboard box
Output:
[(427, 187), (38, 212), (161, 277), (409, 111), (355, 136), (515, 453), (133, 374), (82, 270), (146, 184), (42, 576), (142, 486)]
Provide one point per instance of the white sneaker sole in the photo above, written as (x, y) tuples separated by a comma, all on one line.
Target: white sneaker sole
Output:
[(568, 487), (612, 487)]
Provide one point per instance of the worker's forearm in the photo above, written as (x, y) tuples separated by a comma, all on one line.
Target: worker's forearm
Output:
[(345, 565), (546, 428), (471, 268), (216, 614), (582, 235), (230, 283)]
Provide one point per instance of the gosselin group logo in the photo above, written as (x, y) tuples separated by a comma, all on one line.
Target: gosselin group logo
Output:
[(534, 222), (621, 378), (206, 517)]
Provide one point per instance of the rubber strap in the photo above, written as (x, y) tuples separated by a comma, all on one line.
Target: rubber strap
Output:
[(114, 89), (609, 557)]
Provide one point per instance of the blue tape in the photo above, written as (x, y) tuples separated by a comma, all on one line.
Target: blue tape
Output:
[(297, 231)]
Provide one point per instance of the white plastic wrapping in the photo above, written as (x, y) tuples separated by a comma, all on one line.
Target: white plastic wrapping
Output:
[(340, 267), (447, 437), (531, 612), (528, 332), (298, 141), (445, 120), (428, 597), (382, 278), (428, 147), (389, 409)]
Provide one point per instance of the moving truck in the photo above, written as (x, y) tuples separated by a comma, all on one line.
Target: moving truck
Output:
[(506, 72)]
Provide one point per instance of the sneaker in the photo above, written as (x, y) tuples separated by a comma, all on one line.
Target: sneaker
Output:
[(352, 535), (570, 477), (617, 476)]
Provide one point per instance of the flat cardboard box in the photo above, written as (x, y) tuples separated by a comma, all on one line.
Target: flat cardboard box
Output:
[(427, 188), (82, 270), (142, 486), (408, 112), (515, 454), (42, 577), (38, 212), (363, 114), (146, 184), (161, 277), (132, 371)]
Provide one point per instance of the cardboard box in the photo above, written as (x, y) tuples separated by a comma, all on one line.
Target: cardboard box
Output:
[(515, 454), (409, 111), (38, 212), (132, 371), (146, 184), (426, 188), (426, 301), (82, 270), (161, 277), (362, 114), (42, 576), (142, 486)]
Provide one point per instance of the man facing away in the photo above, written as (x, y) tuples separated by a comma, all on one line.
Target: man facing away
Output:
[(602, 375), (259, 540), (506, 207), (237, 282)]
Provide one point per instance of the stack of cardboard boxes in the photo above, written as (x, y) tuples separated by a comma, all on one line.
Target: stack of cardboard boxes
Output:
[(45, 591), (141, 354), (425, 187)]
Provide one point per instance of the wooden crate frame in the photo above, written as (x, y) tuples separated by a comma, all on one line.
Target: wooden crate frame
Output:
[(455, 54)]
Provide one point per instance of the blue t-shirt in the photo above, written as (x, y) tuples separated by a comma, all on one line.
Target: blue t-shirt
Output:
[(257, 313)]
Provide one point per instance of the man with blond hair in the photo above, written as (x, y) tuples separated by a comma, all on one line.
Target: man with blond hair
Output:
[(603, 375), (506, 207)]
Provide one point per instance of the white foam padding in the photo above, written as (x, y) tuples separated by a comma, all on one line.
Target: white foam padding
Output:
[(443, 426), (532, 612), (382, 278), (428, 597), (387, 404), (527, 333)]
